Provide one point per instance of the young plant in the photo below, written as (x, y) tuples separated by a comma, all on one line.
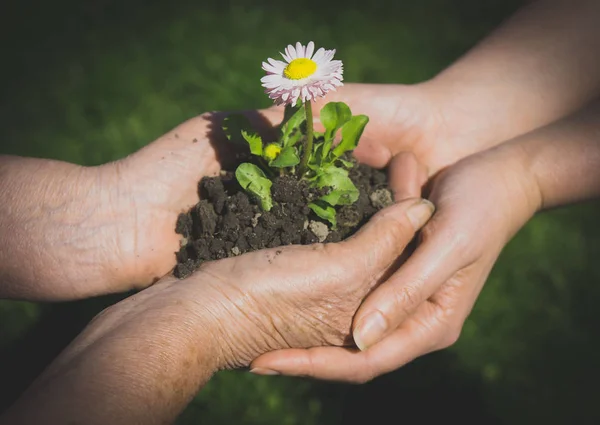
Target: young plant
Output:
[(298, 150)]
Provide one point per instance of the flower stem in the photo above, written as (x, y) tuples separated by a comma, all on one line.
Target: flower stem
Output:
[(308, 144)]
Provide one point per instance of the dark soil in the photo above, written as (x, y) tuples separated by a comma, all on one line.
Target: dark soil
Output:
[(227, 222)]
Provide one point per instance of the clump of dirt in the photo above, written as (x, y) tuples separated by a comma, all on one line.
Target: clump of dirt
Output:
[(228, 222)]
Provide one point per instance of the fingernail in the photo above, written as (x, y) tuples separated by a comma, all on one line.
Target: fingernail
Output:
[(420, 212), (371, 329), (262, 371)]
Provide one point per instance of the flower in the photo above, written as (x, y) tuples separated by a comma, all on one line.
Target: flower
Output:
[(272, 151), (303, 75)]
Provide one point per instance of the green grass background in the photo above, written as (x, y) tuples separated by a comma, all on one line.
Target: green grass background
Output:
[(93, 81)]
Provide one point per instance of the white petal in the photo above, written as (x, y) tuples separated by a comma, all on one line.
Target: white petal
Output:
[(285, 57), (310, 49), (291, 52), (300, 50), (319, 55), (271, 69), (278, 64), (271, 78)]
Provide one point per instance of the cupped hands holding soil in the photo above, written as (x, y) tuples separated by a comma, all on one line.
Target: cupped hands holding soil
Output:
[(228, 221)]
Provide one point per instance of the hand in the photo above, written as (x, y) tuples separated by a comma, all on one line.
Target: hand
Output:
[(149, 189), (71, 232), (481, 202), (145, 193), (428, 120), (141, 360)]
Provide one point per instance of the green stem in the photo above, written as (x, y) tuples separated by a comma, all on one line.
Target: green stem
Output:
[(308, 144)]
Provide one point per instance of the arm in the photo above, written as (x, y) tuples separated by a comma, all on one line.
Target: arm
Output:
[(70, 232), (540, 65), (57, 227), (482, 201), (564, 158)]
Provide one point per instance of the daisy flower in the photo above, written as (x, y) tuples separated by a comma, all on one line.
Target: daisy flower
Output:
[(303, 76)]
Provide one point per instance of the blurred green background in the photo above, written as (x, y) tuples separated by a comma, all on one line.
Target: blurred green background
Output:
[(92, 81)]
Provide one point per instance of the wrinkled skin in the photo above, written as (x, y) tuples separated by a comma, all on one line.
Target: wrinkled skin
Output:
[(170, 338), (303, 296), (87, 231)]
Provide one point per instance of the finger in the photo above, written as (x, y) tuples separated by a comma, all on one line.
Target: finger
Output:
[(346, 364), (434, 261), (406, 175), (384, 237)]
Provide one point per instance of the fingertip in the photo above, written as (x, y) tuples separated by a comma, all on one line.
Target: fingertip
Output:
[(420, 212), (370, 330), (406, 175)]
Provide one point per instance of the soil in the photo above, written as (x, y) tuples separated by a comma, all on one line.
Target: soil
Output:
[(227, 222)]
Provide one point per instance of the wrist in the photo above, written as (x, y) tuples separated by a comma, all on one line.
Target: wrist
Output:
[(141, 247), (511, 163), (480, 112), (154, 349), (60, 221)]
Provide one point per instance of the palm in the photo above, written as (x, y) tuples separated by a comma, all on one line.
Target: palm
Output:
[(158, 183)]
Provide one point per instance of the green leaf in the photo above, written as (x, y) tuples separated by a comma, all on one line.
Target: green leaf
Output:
[(347, 164), (290, 128), (351, 132), (343, 191), (333, 116), (325, 211), (254, 180), (254, 141), (288, 157), (315, 160), (238, 129)]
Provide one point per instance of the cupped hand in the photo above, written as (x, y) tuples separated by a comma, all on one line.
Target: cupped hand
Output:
[(150, 188), (428, 120), (304, 296), (147, 191), (481, 202)]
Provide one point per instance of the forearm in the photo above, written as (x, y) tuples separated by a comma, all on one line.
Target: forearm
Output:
[(53, 218), (140, 362), (540, 65), (564, 158), (560, 162)]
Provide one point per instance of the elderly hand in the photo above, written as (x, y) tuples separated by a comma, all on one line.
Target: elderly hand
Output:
[(141, 360), (71, 232)]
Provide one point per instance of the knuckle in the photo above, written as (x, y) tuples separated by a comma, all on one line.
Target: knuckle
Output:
[(458, 240), (401, 231), (405, 299), (450, 234)]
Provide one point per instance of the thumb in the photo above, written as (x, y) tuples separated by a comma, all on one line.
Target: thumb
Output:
[(434, 261), (381, 241)]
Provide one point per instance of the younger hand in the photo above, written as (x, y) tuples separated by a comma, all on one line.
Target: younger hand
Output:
[(481, 202)]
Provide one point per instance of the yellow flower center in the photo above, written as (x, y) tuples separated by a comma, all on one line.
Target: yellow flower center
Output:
[(272, 151), (300, 68)]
